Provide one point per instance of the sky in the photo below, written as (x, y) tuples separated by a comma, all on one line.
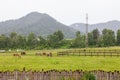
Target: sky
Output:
[(64, 11)]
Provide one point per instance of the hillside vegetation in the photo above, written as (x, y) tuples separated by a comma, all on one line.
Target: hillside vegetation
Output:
[(40, 24)]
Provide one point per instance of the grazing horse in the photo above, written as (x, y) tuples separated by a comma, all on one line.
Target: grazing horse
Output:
[(44, 54), (38, 54), (17, 55), (23, 53), (49, 54)]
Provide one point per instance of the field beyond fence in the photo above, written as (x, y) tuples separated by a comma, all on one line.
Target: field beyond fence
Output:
[(57, 75)]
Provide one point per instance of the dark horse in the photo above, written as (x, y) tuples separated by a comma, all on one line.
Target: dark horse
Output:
[(23, 53)]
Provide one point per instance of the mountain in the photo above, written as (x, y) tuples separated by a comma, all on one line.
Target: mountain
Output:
[(113, 25), (38, 23)]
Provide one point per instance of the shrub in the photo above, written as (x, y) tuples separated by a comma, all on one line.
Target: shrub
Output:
[(88, 76)]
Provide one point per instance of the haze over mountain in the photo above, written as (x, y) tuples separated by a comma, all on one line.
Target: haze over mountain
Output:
[(38, 23), (113, 25)]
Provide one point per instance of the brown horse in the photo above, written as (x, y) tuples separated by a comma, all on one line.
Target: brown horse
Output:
[(44, 53), (49, 54), (23, 53), (17, 55)]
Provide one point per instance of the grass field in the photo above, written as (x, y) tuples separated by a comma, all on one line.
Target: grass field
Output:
[(30, 61)]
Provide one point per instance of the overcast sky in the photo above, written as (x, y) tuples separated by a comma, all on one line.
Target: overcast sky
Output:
[(65, 11)]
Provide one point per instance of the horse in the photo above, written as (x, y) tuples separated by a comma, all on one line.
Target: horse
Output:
[(49, 54), (23, 53), (44, 54), (17, 55)]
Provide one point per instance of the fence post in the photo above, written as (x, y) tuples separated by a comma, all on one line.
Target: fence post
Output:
[(91, 54), (73, 54), (42, 74), (111, 54), (104, 53), (85, 52), (97, 53), (16, 75), (79, 53), (108, 75), (117, 54)]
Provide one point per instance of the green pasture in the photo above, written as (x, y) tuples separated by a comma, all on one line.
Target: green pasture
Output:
[(33, 62)]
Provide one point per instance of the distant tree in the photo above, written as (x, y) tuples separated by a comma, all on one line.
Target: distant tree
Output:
[(4, 41), (96, 35), (59, 35), (41, 42), (21, 41), (31, 40), (78, 41), (100, 41), (54, 40), (51, 41), (108, 37), (13, 40), (13, 35), (118, 37), (78, 34), (90, 39)]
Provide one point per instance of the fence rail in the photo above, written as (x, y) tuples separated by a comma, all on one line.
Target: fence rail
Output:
[(84, 52), (57, 75)]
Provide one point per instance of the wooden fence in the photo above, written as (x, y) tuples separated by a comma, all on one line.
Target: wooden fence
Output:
[(84, 52), (57, 75)]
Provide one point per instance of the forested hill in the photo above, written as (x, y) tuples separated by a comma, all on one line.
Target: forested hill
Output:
[(38, 23), (113, 25)]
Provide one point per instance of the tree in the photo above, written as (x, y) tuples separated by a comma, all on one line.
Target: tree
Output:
[(90, 39), (100, 42), (108, 37), (21, 41), (96, 35), (51, 41), (31, 40), (41, 42), (55, 40), (13, 40), (4, 41), (118, 37), (78, 41), (59, 35)]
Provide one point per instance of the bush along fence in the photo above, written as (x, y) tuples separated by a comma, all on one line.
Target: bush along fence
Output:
[(85, 52), (58, 75)]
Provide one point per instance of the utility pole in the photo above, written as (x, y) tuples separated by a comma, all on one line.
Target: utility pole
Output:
[(86, 36)]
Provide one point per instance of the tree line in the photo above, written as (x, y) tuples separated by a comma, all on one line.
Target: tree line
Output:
[(57, 40)]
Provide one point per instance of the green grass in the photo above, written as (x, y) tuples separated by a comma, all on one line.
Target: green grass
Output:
[(32, 62)]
